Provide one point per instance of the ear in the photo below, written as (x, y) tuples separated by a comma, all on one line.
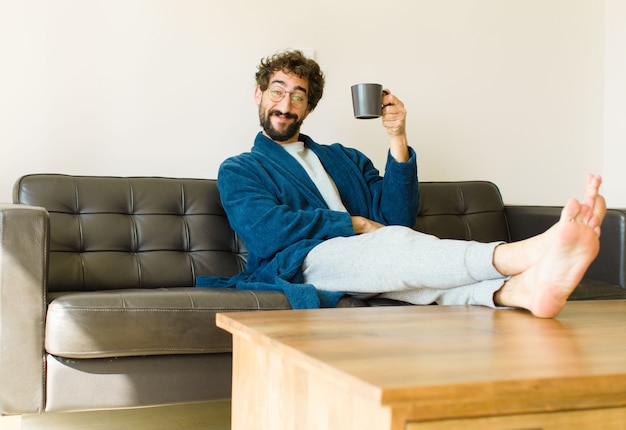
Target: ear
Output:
[(258, 95)]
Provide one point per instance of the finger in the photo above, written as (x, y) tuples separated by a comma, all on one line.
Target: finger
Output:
[(393, 105), (387, 99), (393, 113), (394, 128)]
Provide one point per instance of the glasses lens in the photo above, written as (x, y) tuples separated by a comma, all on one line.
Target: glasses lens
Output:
[(276, 94), (298, 99)]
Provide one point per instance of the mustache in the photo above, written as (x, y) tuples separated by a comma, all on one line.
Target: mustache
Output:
[(286, 115)]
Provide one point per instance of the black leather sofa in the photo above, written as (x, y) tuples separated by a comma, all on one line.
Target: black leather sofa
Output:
[(98, 307)]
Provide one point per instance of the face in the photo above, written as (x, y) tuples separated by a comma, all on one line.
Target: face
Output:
[(281, 120)]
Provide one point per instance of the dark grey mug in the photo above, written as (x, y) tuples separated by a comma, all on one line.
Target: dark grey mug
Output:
[(367, 100)]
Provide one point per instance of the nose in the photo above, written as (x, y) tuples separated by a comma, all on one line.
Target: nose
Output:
[(285, 104)]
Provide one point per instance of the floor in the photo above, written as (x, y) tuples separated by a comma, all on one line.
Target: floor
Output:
[(195, 416)]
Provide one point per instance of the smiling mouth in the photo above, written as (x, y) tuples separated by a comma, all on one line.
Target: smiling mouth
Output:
[(286, 115)]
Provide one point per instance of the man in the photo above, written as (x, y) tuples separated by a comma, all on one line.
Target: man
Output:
[(320, 218)]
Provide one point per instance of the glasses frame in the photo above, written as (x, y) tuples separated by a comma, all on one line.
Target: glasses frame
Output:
[(295, 103)]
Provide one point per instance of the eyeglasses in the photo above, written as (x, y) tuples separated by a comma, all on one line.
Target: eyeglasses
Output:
[(276, 94)]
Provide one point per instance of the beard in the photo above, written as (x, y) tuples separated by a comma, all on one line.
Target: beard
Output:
[(279, 136)]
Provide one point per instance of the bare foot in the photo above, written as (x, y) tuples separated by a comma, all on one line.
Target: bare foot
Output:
[(514, 258), (545, 286)]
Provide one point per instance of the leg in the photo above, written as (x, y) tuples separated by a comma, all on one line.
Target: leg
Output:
[(481, 293), (398, 259), (543, 270)]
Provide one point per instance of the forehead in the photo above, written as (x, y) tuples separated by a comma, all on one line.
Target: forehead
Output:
[(290, 81)]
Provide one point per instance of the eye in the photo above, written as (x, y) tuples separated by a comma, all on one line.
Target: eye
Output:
[(276, 93), (297, 98)]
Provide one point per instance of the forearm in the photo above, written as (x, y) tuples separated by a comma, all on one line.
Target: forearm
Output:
[(267, 226), (394, 120), (399, 148)]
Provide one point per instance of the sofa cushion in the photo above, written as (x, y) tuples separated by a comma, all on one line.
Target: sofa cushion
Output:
[(126, 323)]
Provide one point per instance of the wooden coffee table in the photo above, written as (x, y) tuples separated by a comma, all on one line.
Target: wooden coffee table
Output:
[(429, 367)]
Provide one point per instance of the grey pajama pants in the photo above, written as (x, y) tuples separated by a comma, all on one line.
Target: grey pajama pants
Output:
[(402, 264)]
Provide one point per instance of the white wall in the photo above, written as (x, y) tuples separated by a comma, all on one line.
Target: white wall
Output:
[(509, 91), (615, 103)]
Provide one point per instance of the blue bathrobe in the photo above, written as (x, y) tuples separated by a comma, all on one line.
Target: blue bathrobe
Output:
[(279, 213)]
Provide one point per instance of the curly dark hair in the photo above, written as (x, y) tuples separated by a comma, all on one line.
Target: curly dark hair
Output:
[(293, 62)]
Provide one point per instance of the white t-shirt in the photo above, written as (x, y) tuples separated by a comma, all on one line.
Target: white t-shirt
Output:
[(313, 166)]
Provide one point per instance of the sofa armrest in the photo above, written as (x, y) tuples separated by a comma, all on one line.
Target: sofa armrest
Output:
[(24, 241), (610, 265)]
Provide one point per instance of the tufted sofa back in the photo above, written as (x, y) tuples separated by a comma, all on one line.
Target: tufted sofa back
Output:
[(152, 232), (141, 232), (466, 210)]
